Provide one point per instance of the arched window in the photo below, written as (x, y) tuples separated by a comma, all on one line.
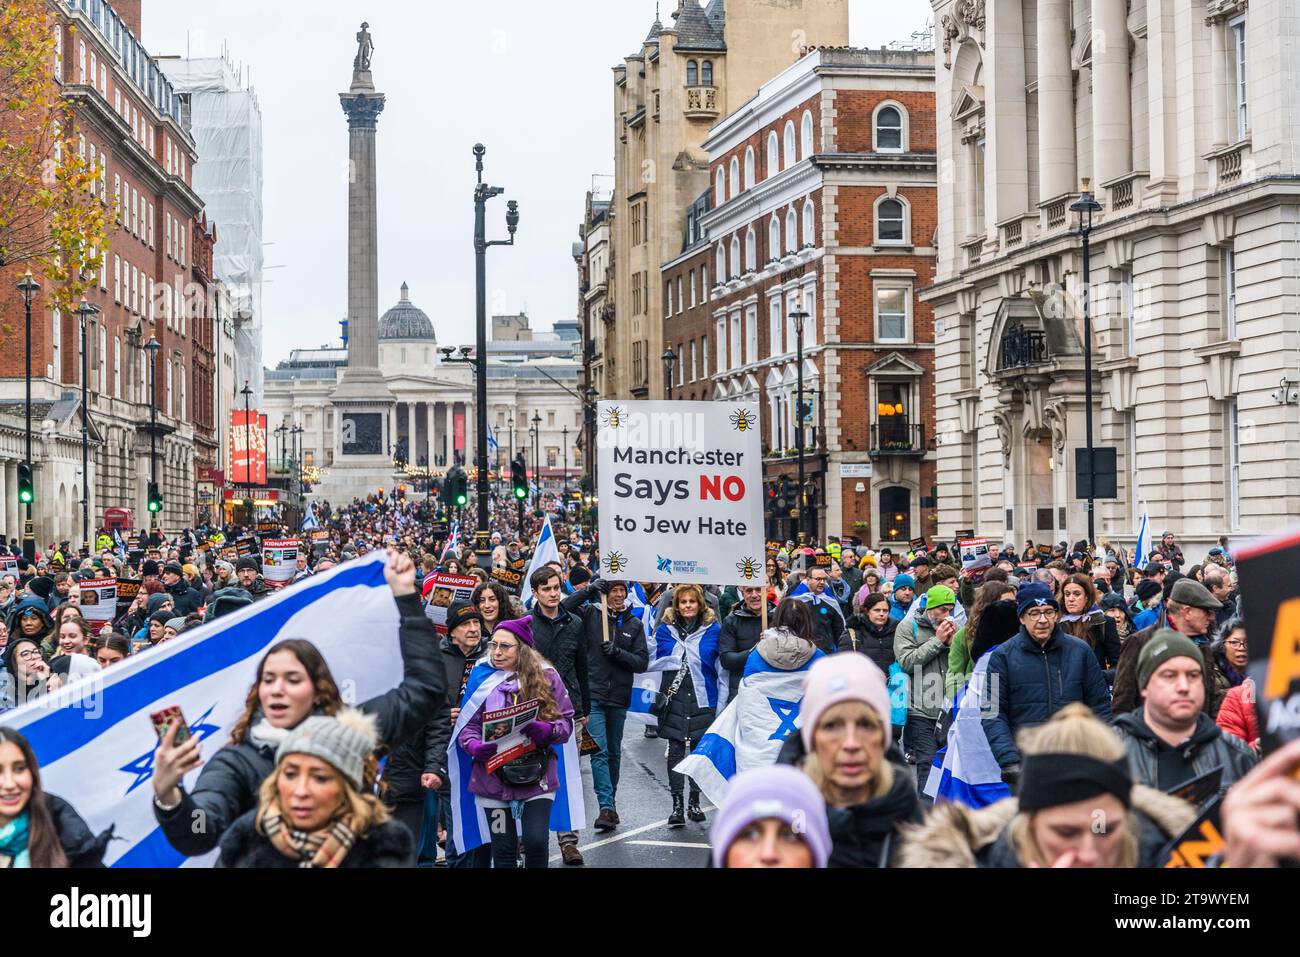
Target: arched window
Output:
[(720, 188), (891, 221), (749, 168), (692, 73), (791, 232), (706, 73), (806, 135), (735, 177), (889, 129), (790, 159), (751, 250), (773, 154), (774, 239), (735, 256), (721, 260), (809, 225)]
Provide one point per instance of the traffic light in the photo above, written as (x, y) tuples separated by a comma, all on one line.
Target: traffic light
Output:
[(155, 498), (460, 486), (26, 491), (519, 476)]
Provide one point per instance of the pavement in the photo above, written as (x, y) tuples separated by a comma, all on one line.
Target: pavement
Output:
[(643, 839)]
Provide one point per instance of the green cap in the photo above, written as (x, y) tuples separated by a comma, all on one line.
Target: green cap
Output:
[(1162, 646), (938, 596)]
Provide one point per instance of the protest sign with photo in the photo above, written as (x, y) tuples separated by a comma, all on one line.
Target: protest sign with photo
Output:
[(974, 554), (1269, 575), (918, 545), (245, 546), (444, 590), (511, 579), (99, 599), (279, 561), (505, 728), (8, 564), (681, 492)]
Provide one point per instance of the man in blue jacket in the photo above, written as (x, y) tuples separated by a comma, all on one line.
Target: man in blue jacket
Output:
[(1036, 673)]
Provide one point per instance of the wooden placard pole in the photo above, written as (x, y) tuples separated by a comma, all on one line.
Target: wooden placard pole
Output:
[(604, 620)]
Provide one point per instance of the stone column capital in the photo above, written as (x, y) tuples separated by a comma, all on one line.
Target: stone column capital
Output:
[(362, 109)]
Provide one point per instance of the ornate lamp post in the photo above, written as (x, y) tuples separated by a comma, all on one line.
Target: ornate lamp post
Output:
[(1086, 206), (84, 311), (29, 287)]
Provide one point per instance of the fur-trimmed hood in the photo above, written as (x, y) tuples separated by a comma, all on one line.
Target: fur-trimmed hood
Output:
[(954, 835)]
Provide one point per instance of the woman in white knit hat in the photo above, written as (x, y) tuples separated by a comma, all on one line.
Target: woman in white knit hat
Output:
[(313, 812)]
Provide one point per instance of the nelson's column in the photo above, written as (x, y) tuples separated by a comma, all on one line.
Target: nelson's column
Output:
[(362, 400)]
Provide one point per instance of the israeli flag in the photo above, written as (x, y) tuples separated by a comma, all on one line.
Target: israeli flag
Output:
[(1143, 547), (752, 729), (699, 650), (309, 523), (644, 686), (803, 593), (492, 438), (94, 739), (966, 772), (453, 539), (546, 551), (469, 820)]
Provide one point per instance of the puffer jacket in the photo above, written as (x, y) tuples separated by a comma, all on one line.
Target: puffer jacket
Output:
[(228, 784), (740, 633), (562, 641), (925, 659), (1034, 681), (33, 603), (689, 714), (83, 848), (954, 835), (610, 669), (504, 695), (1238, 715), (388, 845), (867, 834), (862, 636), (1208, 748)]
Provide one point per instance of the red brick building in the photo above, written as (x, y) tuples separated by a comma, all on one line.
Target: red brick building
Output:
[(824, 201), (153, 286), (687, 310)]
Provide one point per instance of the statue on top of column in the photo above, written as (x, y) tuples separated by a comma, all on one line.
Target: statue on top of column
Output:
[(365, 48)]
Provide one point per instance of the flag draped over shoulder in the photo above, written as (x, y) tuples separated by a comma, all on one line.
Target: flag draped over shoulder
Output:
[(644, 686), (94, 739), (752, 729), (803, 593), (700, 651), (966, 772), (546, 551), (470, 824)]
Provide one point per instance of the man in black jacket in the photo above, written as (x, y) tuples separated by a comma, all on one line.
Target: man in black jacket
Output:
[(740, 633), (458, 653), (185, 599), (616, 651), (250, 578), (559, 639), (1170, 739)]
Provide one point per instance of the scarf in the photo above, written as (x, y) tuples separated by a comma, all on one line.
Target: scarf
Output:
[(14, 850), (311, 849), (263, 735)]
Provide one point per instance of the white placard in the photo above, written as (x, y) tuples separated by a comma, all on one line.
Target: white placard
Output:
[(280, 561), (681, 492), (99, 599)]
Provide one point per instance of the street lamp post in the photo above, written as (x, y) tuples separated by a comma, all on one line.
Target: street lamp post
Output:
[(247, 393), (564, 443), (482, 193), (84, 311), (670, 360), (590, 409), (298, 433), (29, 287), (799, 317), (153, 346), (1086, 206), (536, 432)]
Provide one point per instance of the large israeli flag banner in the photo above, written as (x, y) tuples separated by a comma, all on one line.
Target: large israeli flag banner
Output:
[(469, 820), (751, 730), (546, 551), (95, 742), (966, 771)]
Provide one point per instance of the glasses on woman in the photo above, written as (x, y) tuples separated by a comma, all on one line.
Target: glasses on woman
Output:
[(29, 654), (1234, 643), (500, 645)]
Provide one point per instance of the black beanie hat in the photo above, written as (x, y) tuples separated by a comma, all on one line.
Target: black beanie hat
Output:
[(150, 567), (249, 562), (997, 623), (42, 586), (1147, 589)]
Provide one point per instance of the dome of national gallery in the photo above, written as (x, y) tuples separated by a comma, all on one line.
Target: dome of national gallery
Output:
[(406, 320)]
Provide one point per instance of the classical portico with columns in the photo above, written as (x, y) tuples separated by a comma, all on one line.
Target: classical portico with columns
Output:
[(1180, 115)]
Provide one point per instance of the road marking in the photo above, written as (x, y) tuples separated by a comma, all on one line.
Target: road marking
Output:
[(623, 837), (669, 844)]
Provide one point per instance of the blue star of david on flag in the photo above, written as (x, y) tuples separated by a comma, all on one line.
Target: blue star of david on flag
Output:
[(665, 564), (142, 767), (786, 712)]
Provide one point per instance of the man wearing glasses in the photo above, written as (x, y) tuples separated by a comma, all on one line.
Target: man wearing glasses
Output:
[(1034, 674)]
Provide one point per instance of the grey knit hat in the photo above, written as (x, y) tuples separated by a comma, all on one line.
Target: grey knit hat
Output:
[(344, 741), (175, 624)]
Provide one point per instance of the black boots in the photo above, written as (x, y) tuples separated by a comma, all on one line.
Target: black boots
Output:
[(678, 817), (693, 809)]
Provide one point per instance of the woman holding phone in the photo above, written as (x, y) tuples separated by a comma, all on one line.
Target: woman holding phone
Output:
[(293, 682)]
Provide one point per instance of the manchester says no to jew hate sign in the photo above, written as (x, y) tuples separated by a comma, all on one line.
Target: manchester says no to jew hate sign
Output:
[(681, 492)]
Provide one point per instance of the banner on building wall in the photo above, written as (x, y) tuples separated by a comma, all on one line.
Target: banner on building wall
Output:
[(279, 560), (681, 492), (459, 427), (247, 448)]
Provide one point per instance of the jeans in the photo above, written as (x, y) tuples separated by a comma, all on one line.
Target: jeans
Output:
[(480, 857), (921, 740), (677, 751), (605, 724), (536, 816)]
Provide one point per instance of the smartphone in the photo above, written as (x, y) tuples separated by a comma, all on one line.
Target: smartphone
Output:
[(163, 719)]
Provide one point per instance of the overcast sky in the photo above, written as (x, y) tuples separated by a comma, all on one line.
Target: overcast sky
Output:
[(529, 80)]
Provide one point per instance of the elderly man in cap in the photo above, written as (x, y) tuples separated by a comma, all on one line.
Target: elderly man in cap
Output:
[(1170, 739), (1036, 673)]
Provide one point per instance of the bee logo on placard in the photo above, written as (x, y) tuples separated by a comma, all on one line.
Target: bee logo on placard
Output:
[(748, 568), (613, 417), (615, 563), (742, 421)]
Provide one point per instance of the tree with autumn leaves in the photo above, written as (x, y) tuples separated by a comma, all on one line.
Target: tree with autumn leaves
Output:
[(51, 219)]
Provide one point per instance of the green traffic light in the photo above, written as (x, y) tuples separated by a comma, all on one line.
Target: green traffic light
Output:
[(461, 499), (25, 497), (521, 493)]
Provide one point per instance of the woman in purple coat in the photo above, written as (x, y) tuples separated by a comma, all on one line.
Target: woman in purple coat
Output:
[(526, 786)]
